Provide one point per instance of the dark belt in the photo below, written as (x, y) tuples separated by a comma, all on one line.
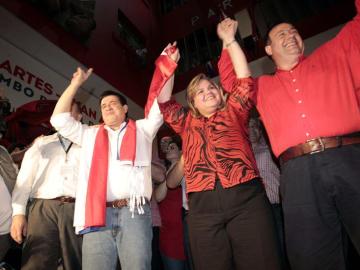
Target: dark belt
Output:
[(121, 203), (118, 203), (317, 145), (64, 199)]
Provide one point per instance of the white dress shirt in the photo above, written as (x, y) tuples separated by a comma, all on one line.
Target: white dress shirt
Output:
[(124, 180), (185, 201), (46, 172), (5, 208)]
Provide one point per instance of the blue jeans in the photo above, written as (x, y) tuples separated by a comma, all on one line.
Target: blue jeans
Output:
[(124, 236), (173, 264)]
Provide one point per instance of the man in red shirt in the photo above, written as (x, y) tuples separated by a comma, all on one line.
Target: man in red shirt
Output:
[(310, 108)]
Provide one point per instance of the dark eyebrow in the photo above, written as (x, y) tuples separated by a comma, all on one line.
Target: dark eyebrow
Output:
[(285, 30), (280, 32), (110, 102)]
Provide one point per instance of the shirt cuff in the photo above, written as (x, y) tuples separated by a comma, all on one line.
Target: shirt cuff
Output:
[(243, 82), (167, 106), (18, 209)]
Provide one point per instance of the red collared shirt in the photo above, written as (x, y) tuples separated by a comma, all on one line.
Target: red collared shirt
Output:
[(218, 146), (319, 97)]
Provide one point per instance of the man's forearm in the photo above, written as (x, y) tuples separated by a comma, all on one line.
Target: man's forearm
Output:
[(166, 91), (65, 100)]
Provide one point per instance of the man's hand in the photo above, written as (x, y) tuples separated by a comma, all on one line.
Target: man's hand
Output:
[(80, 76), (64, 103), (18, 228), (164, 143), (226, 30), (172, 51)]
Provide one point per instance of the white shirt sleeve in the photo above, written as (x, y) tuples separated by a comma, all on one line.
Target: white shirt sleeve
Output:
[(153, 122), (68, 127), (25, 179)]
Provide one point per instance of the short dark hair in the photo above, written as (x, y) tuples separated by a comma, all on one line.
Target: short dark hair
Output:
[(107, 93), (120, 97)]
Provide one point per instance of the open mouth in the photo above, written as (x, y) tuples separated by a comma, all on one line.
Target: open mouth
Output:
[(291, 44), (209, 97)]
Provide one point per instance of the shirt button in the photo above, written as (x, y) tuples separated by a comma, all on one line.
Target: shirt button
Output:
[(65, 178), (307, 134), (294, 80), (291, 71), (303, 115), (300, 101), (296, 90)]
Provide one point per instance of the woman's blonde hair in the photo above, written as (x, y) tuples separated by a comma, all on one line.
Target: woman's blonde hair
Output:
[(193, 88)]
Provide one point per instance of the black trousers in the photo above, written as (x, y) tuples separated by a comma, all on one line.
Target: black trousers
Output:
[(189, 260), (320, 198), (5, 244), (233, 229), (51, 237)]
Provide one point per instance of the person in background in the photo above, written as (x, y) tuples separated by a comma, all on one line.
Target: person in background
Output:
[(270, 175), (158, 174), (170, 205), (176, 177), (8, 174), (5, 219)]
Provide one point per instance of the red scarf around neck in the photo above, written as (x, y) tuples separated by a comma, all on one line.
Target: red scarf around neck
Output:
[(95, 208)]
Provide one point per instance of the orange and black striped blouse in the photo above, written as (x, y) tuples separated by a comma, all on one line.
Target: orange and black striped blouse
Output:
[(216, 147)]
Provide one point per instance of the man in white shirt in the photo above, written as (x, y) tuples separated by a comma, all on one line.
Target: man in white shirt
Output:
[(48, 176), (112, 203)]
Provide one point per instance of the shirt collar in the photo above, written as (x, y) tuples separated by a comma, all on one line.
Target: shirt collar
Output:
[(301, 59), (115, 131)]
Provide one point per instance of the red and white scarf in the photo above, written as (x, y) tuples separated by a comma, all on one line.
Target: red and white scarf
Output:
[(95, 210)]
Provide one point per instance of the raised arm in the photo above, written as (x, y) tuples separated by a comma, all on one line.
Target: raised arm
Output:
[(176, 174), (162, 79), (158, 169), (173, 180), (226, 31), (166, 91), (65, 100)]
